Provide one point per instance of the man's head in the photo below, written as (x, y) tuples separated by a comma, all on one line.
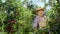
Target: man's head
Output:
[(40, 11)]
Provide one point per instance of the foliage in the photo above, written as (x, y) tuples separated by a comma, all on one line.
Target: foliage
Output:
[(17, 19)]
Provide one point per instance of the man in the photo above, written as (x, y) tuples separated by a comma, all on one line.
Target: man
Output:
[(40, 20)]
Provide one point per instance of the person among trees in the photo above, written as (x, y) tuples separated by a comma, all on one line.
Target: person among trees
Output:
[(40, 21)]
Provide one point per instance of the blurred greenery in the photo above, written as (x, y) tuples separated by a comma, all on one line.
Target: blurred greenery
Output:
[(22, 13)]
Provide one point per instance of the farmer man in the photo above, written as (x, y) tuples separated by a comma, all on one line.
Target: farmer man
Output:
[(40, 21)]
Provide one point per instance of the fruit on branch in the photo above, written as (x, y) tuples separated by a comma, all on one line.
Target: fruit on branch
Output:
[(8, 28), (13, 22)]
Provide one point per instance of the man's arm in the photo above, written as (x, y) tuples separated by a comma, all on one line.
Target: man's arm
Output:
[(35, 22)]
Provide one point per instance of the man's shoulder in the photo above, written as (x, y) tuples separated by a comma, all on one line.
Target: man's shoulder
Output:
[(37, 16)]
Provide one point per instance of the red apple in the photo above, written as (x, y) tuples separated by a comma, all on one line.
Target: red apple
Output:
[(13, 22), (8, 28)]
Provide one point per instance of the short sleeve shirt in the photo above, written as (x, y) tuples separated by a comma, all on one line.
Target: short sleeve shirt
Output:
[(40, 21)]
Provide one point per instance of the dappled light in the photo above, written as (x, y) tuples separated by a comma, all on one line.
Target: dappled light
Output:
[(24, 17)]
